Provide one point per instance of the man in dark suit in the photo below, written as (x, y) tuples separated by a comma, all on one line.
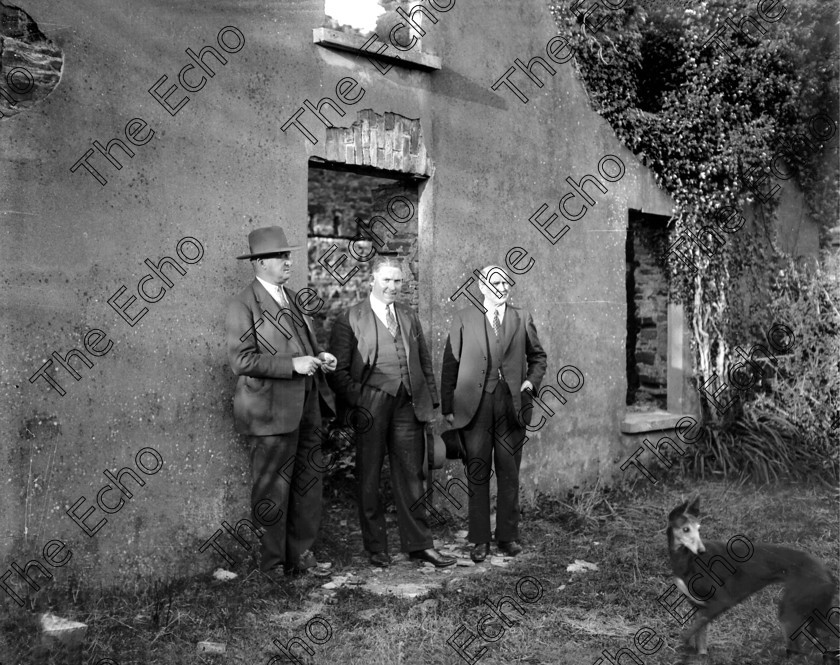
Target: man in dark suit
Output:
[(278, 404), (491, 359), (385, 367)]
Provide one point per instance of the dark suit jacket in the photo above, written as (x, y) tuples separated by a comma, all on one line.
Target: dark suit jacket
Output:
[(465, 362), (354, 343), (269, 394)]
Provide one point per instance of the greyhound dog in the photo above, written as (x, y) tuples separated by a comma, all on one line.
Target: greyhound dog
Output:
[(725, 577)]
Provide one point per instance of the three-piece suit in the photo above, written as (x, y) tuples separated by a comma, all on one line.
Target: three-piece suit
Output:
[(391, 377), (279, 411), (480, 386)]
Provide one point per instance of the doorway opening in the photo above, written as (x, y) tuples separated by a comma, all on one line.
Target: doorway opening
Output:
[(647, 312), (344, 205)]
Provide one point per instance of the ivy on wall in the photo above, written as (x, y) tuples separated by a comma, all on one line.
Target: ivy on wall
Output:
[(706, 108)]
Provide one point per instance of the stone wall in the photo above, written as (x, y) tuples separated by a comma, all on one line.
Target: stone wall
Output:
[(650, 303), (30, 63), (221, 167), (337, 201), (388, 141)]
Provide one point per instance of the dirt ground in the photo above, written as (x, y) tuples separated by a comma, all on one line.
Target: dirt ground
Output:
[(587, 582)]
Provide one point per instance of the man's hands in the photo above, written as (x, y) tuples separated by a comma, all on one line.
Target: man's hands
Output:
[(526, 385), (306, 364), (309, 364), (328, 361)]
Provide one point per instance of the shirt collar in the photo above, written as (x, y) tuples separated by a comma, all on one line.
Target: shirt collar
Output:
[(273, 289), (378, 304), (490, 307), (379, 308)]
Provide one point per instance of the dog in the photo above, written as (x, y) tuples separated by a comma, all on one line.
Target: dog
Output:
[(716, 576)]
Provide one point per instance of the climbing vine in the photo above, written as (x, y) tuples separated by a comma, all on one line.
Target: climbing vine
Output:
[(707, 117)]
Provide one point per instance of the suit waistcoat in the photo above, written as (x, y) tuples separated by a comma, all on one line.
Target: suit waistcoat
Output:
[(301, 336), (391, 368), (495, 346)]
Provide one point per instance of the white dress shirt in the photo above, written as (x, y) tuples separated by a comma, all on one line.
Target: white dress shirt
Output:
[(274, 292), (489, 314), (379, 308)]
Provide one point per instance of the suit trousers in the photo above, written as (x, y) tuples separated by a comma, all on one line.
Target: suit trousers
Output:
[(287, 470), (397, 431), (484, 436)]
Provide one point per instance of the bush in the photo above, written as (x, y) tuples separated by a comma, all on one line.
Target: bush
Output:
[(792, 430), (808, 392)]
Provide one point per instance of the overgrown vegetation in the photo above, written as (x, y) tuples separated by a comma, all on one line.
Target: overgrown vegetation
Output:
[(707, 119), (579, 614), (791, 428)]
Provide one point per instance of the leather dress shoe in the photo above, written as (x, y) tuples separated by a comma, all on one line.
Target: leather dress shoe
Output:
[(479, 552), (432, 556), (511, 548), (307, 560), (275, 575), (306, 564), (381, 559)]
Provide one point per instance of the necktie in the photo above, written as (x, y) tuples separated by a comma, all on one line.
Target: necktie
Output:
[(300, 332), (283, 301), (390, 322), (496, 324)]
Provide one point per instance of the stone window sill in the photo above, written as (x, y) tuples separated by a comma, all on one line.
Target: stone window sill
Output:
[(355, 44), (649, 421)]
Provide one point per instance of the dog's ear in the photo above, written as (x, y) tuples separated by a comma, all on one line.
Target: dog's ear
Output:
[(676, 512), (694, 507)]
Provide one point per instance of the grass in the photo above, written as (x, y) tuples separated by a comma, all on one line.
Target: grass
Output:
[(577, 616)]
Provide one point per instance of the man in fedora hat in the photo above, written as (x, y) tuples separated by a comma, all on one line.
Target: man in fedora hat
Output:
[(491, 359), (278, 404), (385, 367)]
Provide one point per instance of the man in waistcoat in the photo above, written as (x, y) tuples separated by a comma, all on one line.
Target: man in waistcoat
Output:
[(492, 361), (278, 404), (384, 367)]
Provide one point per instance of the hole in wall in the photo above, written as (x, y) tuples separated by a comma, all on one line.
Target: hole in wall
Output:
[(337, 201), (30, 63)]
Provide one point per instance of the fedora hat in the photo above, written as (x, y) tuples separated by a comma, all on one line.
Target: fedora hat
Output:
[(267, 241), (455, 446), (435, 450)]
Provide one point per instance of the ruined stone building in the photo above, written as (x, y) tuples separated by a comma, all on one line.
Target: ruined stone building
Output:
[(177, 128)]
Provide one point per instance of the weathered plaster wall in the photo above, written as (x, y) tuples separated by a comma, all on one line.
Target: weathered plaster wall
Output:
[(222, 167), (518, 159), (217, 169)]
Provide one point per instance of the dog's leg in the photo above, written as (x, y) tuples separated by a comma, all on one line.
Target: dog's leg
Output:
[(791, 625), (788, 629), (700, 639), (793, 647), (790, 618), (699, 624)]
